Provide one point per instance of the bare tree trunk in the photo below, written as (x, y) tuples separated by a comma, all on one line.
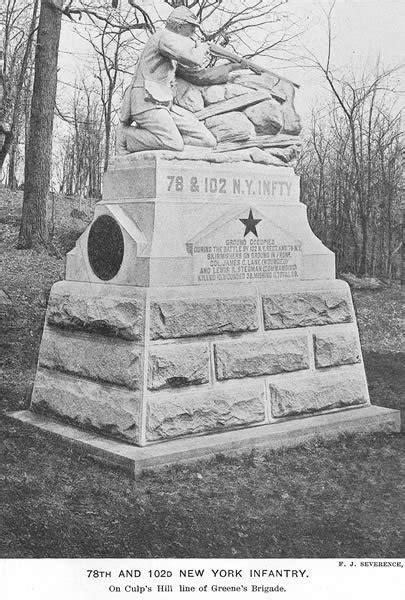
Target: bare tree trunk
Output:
[(12, 180), (362, 270), (108, 130), (11, 134), (33, 230)]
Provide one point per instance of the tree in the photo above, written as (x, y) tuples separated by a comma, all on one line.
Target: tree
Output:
[(115, 48), (33, 229), (363, 137), (363, 230), (19, 23), (82, 153)]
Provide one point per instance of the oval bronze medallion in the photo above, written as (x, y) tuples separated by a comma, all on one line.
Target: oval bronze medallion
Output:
[(105, 247)]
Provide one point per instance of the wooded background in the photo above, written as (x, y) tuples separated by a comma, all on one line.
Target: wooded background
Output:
[(351, 166)]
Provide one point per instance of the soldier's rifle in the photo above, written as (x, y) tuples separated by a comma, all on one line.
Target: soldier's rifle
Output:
[(221, 52)]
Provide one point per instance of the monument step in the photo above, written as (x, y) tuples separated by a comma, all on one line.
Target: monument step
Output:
[(134, 460)]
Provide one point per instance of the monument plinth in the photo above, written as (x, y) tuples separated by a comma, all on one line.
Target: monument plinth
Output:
[(192, 222), (198, 301)]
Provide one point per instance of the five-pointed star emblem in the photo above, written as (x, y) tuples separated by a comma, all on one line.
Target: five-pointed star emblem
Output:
[(250, 224)]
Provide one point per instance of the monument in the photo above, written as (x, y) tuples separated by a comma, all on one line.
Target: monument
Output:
[(199, 313)]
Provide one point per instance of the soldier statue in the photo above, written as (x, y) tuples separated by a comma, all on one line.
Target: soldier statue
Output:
[(149, 119)]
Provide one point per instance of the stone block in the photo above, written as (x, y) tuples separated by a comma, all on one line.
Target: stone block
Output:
[(93, 357), (203, 411), (291, 121), (336, 348), (213, 94), (230, 127), (286, 155), (266, 117), (233, 104), (266, 157), (304, 309), (188, 96), (294, 396), (261, 356), (263, 81), (106, 315), (187, 317), (111, 410), (233, 89), (177, 366)]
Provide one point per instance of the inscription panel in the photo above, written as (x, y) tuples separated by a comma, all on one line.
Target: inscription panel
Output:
[(246, 260), (194, 182), (243, 247)]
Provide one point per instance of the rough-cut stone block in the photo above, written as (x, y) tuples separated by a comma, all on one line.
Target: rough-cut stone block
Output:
[(119, 317), (187, 317), (266, 117), (188, 96), (232, 127), (177, 366), (291, 121), (233, 104), (265, 81), (113, 411), (99, 358), (175, 415), (333, 349), (305, 309), (266, 157), (261, 141), (213, 94), (286, 155), (261, 356), (292, 396), (233, 89)]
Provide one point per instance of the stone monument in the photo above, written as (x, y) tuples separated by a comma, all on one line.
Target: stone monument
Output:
[(199, 313)]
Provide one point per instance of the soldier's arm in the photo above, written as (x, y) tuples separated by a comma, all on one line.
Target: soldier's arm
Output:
[(182, 49), (210, 76)]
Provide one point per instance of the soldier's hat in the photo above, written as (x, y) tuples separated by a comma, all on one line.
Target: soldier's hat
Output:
[(182, 14)]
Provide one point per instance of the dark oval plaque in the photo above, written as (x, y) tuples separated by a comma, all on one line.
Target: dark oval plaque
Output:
[(105, 247)]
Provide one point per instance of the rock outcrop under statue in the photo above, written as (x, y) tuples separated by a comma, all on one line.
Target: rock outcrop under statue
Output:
[(235, 114)]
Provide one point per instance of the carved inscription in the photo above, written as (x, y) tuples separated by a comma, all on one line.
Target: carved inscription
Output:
[(247, 259), (234, 186)]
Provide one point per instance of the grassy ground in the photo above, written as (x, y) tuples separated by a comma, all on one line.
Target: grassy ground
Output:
[(339, 498)]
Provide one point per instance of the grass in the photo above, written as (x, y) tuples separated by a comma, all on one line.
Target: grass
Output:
[(323, 499)]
